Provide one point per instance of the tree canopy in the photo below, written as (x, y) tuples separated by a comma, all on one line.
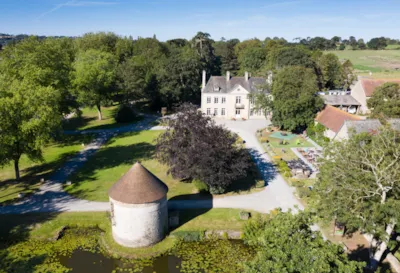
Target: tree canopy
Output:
[(194, 147), (294, 98), (359, 185), (94, 77), (286, 243), (385, 101), (46, 63), (29, 117)]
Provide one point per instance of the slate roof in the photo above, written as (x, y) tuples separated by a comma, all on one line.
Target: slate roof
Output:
[(333, 118), (225, 86), (362, 126), (369, 85), (370, 125), (138, 186), (346, 100)]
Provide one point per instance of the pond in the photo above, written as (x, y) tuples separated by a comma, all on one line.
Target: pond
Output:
[(79, 251), (194, 257), (84, 261)]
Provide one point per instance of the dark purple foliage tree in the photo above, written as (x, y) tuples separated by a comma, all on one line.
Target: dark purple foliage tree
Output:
[(194, 147)]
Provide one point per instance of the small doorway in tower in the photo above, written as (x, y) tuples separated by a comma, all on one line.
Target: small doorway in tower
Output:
[(237, 113)]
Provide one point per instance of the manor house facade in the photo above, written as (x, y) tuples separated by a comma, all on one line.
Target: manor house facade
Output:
[(228, 97)]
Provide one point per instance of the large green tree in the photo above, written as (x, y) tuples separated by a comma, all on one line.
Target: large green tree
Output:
[(294, 98), (290, 56), (29, 116), (359, 186), (102, 41), (132, 80), (203, 44), (385, 101), (377, 43), (286, 243), (180, 77), (46, 63), (94, 77), (252, 59), (225, 54), (331, 70)]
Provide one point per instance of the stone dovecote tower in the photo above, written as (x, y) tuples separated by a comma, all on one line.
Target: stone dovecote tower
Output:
[(139, 211)]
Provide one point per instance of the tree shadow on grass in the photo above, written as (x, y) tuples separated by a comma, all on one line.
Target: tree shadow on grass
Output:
[(30, 178), (189, 206), (15, 229), (75, 122), (253, 179), (108, 158)]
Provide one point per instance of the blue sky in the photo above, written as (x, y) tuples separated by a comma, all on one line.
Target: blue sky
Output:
[(221, 18)]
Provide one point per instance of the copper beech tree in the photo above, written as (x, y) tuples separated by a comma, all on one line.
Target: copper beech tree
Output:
[(194, 147)]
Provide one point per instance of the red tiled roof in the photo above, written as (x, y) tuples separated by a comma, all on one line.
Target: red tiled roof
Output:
[(369, 85), (333, 118)]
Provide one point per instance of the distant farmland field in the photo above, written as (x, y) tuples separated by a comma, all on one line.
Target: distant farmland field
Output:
[(382, 63)]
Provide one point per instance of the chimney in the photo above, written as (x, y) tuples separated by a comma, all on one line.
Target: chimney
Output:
[(203, 83), (228, 76), (246, 76)]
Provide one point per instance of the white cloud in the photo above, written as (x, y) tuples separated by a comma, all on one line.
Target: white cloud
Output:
[(75, 3)]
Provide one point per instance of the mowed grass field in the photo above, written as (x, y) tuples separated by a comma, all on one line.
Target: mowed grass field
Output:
[(382, 63), (89, 119), (54, 155), (114, 159)]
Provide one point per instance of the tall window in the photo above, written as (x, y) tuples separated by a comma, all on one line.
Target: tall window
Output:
[(237, 111), (223, 112), (223, 100), (215, 111), (252, 100), (215, 99), (208, 111), (208, 99), (238, 99)]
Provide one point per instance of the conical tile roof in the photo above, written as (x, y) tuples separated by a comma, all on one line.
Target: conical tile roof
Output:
[(138, 186)]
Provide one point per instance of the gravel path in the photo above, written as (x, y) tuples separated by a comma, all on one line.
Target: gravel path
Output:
[(277, 194)]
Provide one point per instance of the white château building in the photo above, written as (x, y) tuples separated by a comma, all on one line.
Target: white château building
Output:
[(228, 97)]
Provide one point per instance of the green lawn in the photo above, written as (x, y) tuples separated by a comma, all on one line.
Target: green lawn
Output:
[(214, 219), (382, 63), (113, 160), (54, 156), (89, 119)]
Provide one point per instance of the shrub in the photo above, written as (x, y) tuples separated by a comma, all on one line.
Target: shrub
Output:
[(200, 185), (299, 183), (189, 236), (217, 190), (283, 168), (125, 114), (303, 192)]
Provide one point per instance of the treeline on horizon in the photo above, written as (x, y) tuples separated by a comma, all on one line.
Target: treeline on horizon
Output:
[(163, 73), (321, 43), (168, 73)]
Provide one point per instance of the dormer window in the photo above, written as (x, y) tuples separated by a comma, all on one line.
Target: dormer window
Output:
[(216, 88)]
